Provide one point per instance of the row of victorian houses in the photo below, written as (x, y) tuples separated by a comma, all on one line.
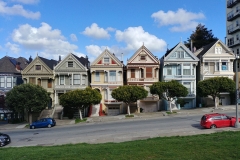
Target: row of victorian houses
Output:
[(107, 72)]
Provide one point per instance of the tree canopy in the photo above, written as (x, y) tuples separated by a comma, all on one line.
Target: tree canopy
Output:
[(27, 97), (214, 86), (80, 99), (168, 90), (200, 37), (129, 94)]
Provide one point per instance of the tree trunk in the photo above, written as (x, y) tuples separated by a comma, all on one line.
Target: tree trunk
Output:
[(215, 101), (128, 110), (30, 117), (170, 106), (80, 114)]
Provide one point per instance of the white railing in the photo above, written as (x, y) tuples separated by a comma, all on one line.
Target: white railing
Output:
[(143, 79), (68, 86)]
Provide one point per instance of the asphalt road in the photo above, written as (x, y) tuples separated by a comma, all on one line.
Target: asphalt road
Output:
[(119, 131)]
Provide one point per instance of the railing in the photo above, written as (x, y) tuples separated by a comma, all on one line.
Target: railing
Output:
[(68, 86), (142, 79), (231, 3), (114, 82), (112, 101), (233, 29), (231, 16), (53, 110), (234, 43)]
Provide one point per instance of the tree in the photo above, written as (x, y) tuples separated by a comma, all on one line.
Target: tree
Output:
[(80, 99), (200, 37), (27, 97), (129, 94), (214, 86), (168, 90)]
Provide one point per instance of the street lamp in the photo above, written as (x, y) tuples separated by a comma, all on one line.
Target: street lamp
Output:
[(237, 91)]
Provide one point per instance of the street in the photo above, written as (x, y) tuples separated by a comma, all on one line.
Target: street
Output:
[(119, 131)]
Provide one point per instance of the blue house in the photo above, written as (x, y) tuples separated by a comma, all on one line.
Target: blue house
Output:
[(179, 64)]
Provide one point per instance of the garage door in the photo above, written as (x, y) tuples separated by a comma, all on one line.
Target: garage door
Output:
[(113, 110)]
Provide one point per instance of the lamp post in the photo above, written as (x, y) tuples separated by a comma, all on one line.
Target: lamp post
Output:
[(237, 91)]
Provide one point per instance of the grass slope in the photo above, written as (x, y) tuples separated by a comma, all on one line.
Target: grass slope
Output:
[(224, 145)]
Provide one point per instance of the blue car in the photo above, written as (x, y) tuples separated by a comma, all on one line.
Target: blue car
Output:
[(44, 122)]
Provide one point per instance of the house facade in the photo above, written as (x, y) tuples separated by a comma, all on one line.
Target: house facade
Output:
[(142, 69), (179, 64), (10, 76), (106, 75), (71, 73), (216, 60), (40, 72)]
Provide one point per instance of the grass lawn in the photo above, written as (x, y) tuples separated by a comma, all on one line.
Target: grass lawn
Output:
[(220, 146)]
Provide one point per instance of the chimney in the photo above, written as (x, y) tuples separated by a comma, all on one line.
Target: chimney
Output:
[(59, 60)]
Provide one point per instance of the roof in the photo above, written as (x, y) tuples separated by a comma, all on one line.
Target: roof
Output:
[(50, 63), (169, 51), (205, 49), (12, 65), (85, 62)]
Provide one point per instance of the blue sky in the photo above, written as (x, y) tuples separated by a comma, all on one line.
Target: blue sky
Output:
[(51, 28)]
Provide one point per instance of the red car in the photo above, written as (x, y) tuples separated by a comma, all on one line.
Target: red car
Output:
[(217, 120)]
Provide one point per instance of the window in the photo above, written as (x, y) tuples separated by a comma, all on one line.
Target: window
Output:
[(206, 68), (76, 79), (142, 57), (237, 37), (132, 73), (110, 94), (218, 50), (49, 83), (70, 64), (188, 86), (180, 54), (186, 69), (39, 82), (2, 82), (169, 71), (149, 72), (97, 76), (38, 67), (112, 76), (9, 82), (142, 73), (106, 60), (32, 80), (237, 51), (119, 76), (83, 80), (216, 66), (105, 94), (179, 70), (237, 24), (105, 76), (61, 80), (224, 66)]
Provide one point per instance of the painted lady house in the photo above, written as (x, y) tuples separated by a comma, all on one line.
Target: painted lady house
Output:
[(179, 64)]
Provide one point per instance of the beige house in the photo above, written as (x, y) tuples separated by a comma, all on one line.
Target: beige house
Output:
[(216, 60), (143, 70), (106, 75), (40, 72)]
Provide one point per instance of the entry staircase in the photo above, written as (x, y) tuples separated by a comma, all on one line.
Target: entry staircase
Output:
[(55, 112)]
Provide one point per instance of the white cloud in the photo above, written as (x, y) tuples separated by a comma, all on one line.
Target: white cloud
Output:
[(96, 32), (47, 41), (110, 29), (18, 10), (73, 37), (134, 37), (95, 50), (181, 20), (26, 1), (14, 48)]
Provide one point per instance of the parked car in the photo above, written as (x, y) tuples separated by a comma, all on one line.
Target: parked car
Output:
[(44, 122), (216, 120), (4, 139)]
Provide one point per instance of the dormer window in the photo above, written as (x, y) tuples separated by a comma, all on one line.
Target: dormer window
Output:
[(106, 60), (70, 64), (218, 49), (38, 67)]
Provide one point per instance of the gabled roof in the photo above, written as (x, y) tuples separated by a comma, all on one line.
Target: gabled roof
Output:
[(106, 52), (154, 58), (83, 62), (50, 63), (175, 48), (12, 65), (201, 51)]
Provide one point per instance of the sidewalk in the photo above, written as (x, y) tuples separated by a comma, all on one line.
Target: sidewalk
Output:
[(137, 116)]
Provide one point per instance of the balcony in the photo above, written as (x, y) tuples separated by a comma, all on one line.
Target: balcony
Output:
[(113, 82), (234, 43), (233, 30), (112, 101), (69, 87), (179, 77), (142, 79), (232, 16), (231, 3)]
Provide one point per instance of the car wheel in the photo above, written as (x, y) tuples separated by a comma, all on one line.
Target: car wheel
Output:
[(213, 126), (33, 127), (49, 126)]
